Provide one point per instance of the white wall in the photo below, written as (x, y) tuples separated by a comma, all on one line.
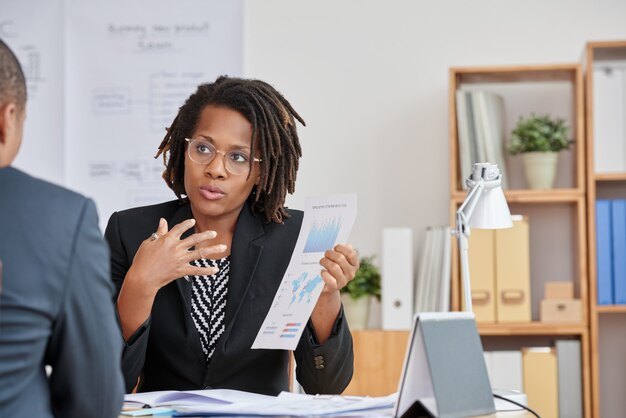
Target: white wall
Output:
[(370, 79)]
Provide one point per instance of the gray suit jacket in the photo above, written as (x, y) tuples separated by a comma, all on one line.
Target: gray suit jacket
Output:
[(166, 352), (55, 305)]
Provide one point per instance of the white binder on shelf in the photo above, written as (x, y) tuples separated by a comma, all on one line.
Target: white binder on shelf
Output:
[(505, 370), (609, 97), (397, 278), (568, 358)]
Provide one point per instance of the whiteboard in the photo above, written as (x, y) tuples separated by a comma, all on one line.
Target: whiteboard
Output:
[(37, 41), (116, 74)]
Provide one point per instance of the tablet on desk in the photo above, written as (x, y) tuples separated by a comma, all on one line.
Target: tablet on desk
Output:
[(444, 373)]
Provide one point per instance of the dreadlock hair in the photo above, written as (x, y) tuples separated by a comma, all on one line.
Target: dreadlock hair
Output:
[(12, 81), (273, 130)]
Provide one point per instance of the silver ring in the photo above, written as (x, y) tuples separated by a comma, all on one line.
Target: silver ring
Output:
[(154, 236)]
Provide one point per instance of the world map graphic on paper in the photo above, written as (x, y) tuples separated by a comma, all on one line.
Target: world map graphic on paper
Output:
[(301, 288)]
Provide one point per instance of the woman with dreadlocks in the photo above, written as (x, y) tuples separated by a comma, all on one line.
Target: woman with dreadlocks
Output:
[(196, 276)]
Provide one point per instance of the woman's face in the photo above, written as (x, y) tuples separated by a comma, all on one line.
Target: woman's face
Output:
[(212, 190)]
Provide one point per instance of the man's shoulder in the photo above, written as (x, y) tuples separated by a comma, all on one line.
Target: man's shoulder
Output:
[(28, 186)]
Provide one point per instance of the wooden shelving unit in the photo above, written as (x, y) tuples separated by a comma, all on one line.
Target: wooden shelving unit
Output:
[(532, 328), (610, 309), (567, 200), (378, 358), (533, 196), (607, 400)]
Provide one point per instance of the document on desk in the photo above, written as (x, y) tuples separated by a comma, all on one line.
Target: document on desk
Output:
[(235, 402), (327, 222), (207, 397), (292, 404)]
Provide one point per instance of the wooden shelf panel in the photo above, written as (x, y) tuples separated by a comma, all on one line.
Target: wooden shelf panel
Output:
[(532, 328), (610, 176), (611, 308), (533, 196), (606, 44), (516, 74)]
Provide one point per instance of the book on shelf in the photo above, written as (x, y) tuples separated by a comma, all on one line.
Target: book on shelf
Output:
[(618, 240), (551, 377), (569, 368), (465, 133), (481, 136), (541, 380), (432, 289), (604, 252), (609, 118)]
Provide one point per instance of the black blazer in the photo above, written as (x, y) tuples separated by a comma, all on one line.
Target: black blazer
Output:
[(55, 305), (166, 351)]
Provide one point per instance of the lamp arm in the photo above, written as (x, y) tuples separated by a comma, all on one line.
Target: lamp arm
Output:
[(472, 198), (462, 232)]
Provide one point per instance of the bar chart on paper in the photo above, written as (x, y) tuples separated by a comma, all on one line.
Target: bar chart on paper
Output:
[(327, 221), (322, 235)]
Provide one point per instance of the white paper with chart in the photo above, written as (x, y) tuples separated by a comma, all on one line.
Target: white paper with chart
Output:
[(327, 222)]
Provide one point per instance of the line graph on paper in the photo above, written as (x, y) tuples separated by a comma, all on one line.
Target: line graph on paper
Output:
[(322, 235)]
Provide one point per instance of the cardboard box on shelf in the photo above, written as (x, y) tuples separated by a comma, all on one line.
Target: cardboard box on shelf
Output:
[(560, 310)]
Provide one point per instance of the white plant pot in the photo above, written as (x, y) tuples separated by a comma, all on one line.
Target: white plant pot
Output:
[(356, 311), (540, 169)]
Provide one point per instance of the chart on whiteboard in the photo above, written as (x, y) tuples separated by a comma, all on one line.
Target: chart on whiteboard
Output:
[(327, 221)]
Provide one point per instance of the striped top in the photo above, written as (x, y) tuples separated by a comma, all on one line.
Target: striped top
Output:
[(208, 303)]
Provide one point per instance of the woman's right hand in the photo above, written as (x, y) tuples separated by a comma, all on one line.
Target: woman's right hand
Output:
[(162, 260)]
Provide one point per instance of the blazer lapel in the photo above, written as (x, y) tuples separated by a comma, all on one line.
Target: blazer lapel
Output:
[(245, 253), (183, 213), (184, 288)]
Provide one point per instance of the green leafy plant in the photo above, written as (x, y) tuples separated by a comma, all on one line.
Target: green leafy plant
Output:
[(366, 280), (539, 133)]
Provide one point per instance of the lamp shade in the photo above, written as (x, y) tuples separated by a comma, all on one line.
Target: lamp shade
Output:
[(491, 211)]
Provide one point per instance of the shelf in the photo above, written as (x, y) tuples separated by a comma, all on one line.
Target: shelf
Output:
[(531, 328), (610, 176), (533, 196), (516, 74), (611, 308)]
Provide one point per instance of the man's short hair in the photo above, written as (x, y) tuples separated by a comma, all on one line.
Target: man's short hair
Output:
[(12, 80)]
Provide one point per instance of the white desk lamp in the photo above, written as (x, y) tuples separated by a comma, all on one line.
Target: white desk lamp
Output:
[(484, 207)]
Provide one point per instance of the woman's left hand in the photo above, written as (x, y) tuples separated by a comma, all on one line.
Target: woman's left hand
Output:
[(340, 265)]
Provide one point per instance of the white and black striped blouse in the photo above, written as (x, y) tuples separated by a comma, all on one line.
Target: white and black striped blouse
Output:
[(208, 303)]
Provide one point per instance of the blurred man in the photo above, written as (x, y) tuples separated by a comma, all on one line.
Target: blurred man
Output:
[(56, 295)]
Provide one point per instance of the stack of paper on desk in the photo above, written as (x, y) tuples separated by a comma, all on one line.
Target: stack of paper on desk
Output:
[(193, 397), (224, 401)]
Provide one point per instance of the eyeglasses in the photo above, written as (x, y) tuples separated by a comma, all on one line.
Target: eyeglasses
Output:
[(203, 152)]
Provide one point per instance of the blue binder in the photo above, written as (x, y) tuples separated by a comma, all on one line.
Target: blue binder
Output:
[(618, 217), (604, 252)]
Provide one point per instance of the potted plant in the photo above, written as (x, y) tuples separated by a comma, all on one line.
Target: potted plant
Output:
[(356, 295), (539, 138)]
